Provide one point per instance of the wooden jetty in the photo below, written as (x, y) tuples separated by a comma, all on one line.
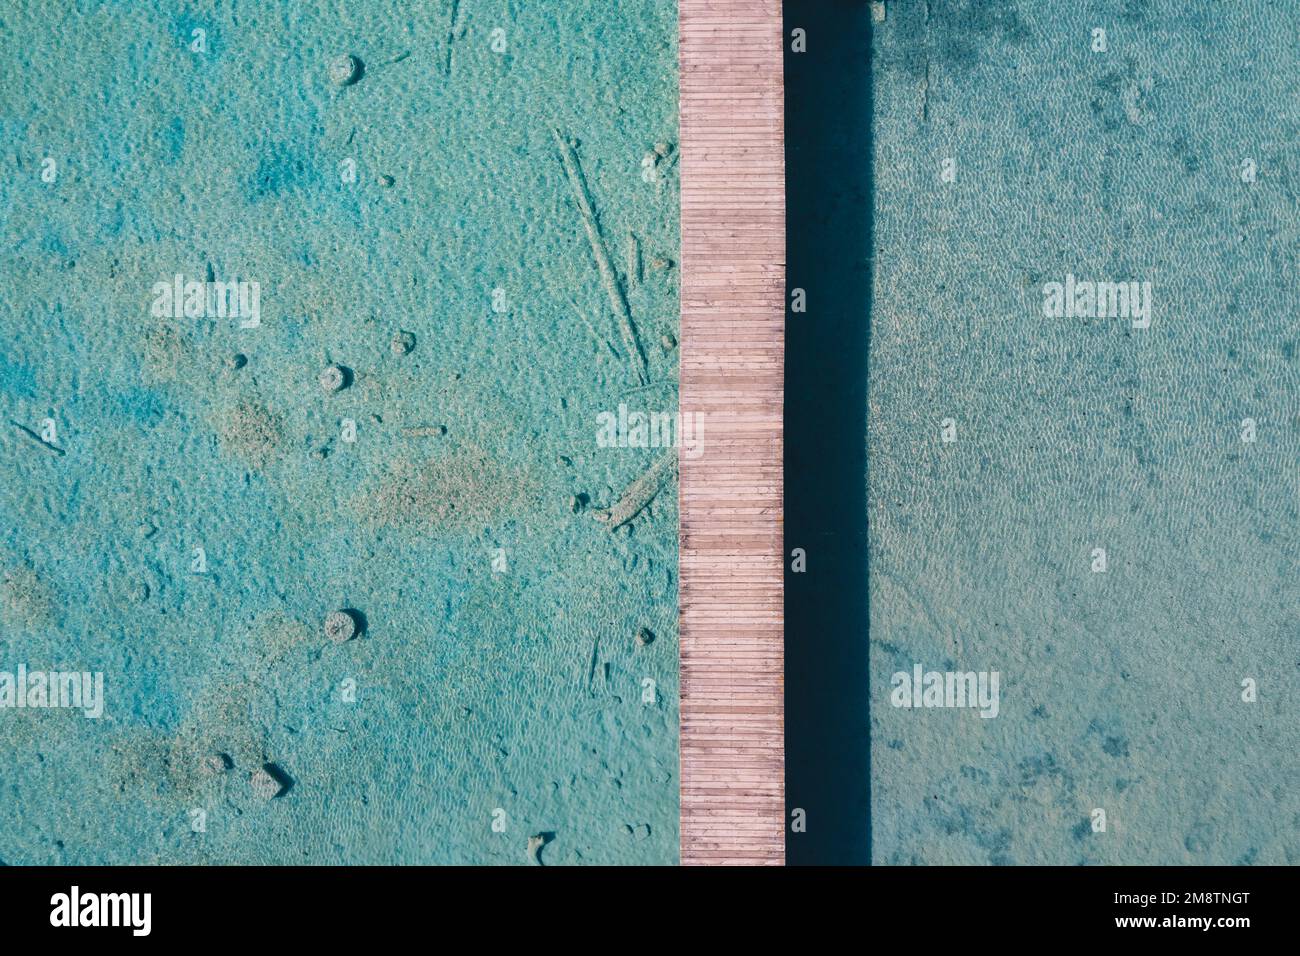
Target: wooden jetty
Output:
[(732, 354)]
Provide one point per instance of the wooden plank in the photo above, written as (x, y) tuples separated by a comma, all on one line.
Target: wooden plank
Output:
[(732, 370)]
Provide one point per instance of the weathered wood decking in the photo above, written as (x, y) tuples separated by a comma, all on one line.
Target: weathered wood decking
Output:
[(732, 329)]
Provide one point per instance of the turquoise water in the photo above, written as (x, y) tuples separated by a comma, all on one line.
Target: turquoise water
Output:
[(496, 678), (1120, 690)]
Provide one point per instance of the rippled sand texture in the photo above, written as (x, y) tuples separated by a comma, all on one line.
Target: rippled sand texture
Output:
[(497, 676), (1120, 690)]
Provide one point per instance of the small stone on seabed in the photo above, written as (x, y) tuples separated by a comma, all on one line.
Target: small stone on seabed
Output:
[(217, 763), (403, 342), (345, 70), (333, 379), (535, 844), (340, 627), (644, 637)]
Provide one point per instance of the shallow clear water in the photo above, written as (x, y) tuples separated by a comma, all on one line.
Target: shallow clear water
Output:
[(497, 679), (1121, 690)]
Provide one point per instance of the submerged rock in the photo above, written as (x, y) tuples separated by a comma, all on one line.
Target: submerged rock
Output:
[(535, 845), (218, 763), (345, 69), (333, 378), (402, 343), (340, 626), (270, 782)]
